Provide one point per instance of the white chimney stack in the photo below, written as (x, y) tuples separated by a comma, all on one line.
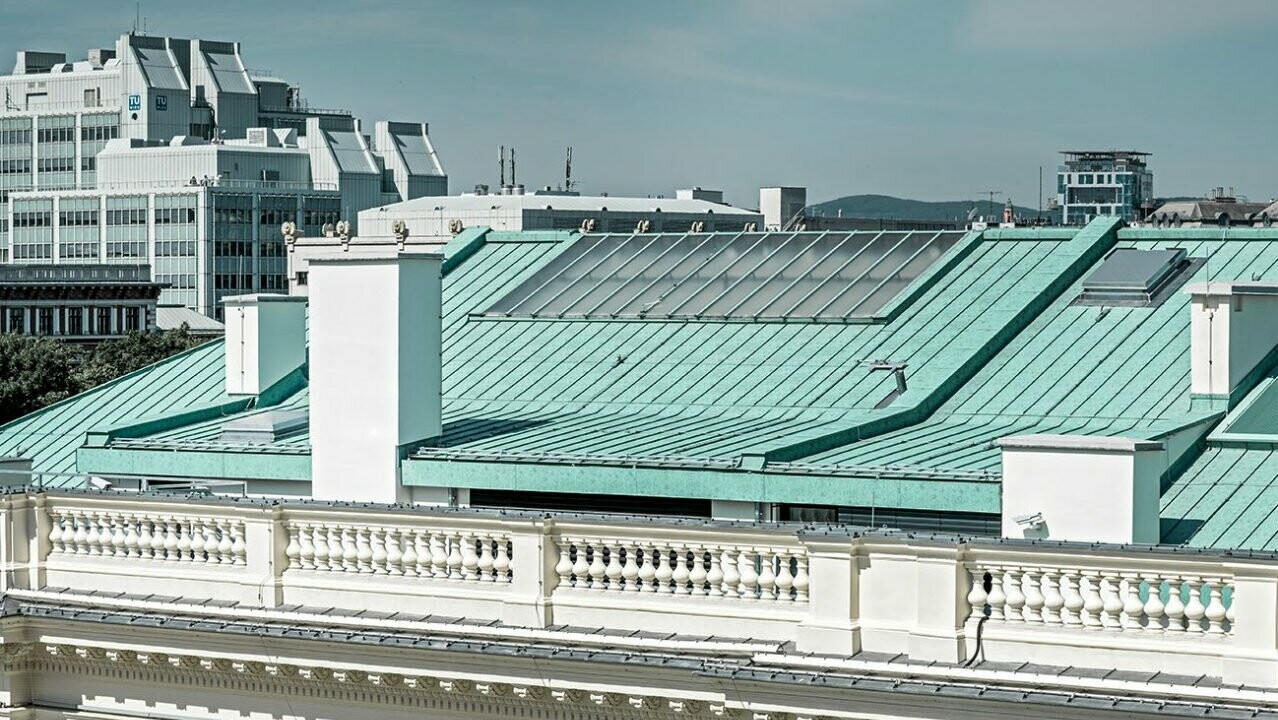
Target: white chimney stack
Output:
[(1082, 488), (375, 370), (1233, 326), (265, 340)]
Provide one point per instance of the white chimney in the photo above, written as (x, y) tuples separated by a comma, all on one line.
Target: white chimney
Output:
[(374, 372), (265, 340), (1082, 488), (1233, 326)]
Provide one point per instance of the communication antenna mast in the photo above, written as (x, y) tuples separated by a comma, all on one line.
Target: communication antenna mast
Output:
[(512, 166), (568, 170), (501, 163)]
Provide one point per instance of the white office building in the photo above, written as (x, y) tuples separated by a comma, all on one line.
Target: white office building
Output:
[(171, 152)]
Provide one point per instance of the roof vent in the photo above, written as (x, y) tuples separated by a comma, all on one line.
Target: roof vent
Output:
[(1137, 278), (265, 427)]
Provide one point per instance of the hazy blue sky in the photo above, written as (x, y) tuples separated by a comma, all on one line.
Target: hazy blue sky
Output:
[(933, 99)]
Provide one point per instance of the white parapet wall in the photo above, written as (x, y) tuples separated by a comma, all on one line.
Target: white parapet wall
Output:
[(1081, 488), (265, 340)]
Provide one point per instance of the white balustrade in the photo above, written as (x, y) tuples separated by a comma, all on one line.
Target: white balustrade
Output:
[(325, 547), (745, 573), (138, 536), (1100, 599)]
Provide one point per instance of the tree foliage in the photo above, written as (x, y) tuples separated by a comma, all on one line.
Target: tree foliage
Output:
[(39, 371)]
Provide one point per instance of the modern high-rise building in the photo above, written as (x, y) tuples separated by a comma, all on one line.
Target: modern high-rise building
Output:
[(173, 153), (1094, 183)]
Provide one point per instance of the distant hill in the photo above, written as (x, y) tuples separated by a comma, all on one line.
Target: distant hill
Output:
[(886, 206)]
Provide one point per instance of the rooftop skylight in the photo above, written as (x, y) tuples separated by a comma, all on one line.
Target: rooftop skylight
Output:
[(748, 276), (1137, 278)]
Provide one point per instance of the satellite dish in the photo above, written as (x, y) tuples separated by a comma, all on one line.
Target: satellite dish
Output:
[(971, 214)]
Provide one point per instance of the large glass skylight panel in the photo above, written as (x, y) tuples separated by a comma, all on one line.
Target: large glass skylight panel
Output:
[(747, 275), (1137, 278)]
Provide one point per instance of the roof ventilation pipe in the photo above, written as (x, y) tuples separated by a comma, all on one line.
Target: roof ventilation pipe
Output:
[(265, 340), (1233, 329), (374, 370)]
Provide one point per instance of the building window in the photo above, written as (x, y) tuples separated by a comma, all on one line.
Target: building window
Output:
[(104, 321), (132, 319), (302, 278), (17, 320), (44, 321), (75, 321)]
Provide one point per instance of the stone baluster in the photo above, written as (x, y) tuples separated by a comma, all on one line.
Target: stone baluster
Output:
[(997, 597), (1034, 598), (159, 536), (350, 550), (1072, 599), (1053, 600), (1093, 601), (363, 552), (665, 573), (785, 577), (377, 551), (976, 596), (1229, 611), (293, 551), (731, 576), (1215, 611), (225, 543), (144, 537), (1133, 608), (91, 537), (99, 536), (563, 568), (184, 540), (501, 564), (439, 557), (171, 539), (1113, 604), (400, 553), (194, 541), (55, 532), (630, 570), (425, 559), (801, 578), (1154, 608), (597, 567), (117, 536), (455, 557), (1174, 610), (767, 576), (1014, 610), (749, 576), (239, 550), (697, 572), (330, 536), (313, 541), (212, 542), (613, 569), (1194, 609), (486, 559), (581, 565), (681, 574), (647, 572), (714, 576), (470, 559)]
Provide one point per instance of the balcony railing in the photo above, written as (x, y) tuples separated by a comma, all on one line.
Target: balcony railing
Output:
[(233, 183), (828, 590)]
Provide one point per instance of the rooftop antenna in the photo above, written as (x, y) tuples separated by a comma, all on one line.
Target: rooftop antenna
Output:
[(512, 166), (568, 170), (501, 163)]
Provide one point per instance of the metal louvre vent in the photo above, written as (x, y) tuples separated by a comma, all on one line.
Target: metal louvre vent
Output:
[(1129, 277), (748, 275), (265, 427)]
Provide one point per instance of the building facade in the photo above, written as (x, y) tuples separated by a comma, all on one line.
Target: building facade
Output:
[(80, 303), (170, 152), (1096, 183)]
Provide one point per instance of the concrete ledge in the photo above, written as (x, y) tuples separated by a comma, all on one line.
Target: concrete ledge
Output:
[(1077, 442), (1226, 288), (374, 257)]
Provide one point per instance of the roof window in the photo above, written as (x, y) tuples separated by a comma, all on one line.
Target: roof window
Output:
[(728, 276), (1129, 277)]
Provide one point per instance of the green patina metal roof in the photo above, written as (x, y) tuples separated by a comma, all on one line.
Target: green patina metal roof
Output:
[(788, 411)]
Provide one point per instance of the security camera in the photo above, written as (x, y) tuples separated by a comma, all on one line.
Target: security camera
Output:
[(1030, 521)]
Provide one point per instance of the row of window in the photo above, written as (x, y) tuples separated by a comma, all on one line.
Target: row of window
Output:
[(55, 134), (21, 166), (177, 281), (56, 164), (233, 248), (175, 248), (42, 251), (129, 216), (71, 321), (15, 137), (99, 132), (32, 218), (232, 281)]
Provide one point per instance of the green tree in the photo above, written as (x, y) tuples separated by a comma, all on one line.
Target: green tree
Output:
[(35, 372), (113, 358)]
